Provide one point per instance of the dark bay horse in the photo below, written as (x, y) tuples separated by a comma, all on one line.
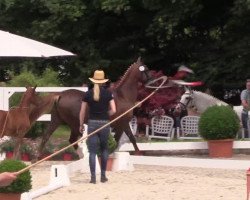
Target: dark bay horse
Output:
[(16, 121), (66, 110)]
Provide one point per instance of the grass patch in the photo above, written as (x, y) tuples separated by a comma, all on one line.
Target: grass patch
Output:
[(62, 131)]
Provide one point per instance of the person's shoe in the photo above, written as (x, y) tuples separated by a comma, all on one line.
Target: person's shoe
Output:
[(92, 180), (104, 179)]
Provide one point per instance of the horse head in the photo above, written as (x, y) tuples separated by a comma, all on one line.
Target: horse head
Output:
[(185, 102), (142, 71), (29, 97)]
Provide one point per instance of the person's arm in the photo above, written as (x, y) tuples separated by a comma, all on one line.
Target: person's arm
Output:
[(82, 115), (112, 106), (244, 102), (6, 178)]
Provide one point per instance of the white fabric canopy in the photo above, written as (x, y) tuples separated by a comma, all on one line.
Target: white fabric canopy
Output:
[(12, 45)]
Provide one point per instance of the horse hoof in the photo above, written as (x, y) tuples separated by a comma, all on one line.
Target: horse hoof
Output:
[(80, 152)]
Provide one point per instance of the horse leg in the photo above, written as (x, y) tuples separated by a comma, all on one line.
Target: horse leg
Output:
[(118, 134), (73, 138), (132, 139), (16, 153), (52, 126)]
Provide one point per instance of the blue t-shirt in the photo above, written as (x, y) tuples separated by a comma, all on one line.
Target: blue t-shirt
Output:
[(98, 109), (245, 95)]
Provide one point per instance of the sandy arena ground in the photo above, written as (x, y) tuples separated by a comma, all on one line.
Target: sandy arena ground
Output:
[(149, 183)]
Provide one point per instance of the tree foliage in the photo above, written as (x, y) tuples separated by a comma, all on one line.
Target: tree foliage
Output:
[(209, 36)]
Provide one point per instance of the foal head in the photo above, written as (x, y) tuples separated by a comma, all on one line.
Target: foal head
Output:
[(29, 97)]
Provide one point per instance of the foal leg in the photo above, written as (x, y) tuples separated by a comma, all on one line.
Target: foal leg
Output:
[(16, 154)]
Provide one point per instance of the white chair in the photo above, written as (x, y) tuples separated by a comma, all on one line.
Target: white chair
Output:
[(189, 128), (161, 127), (133, 125)]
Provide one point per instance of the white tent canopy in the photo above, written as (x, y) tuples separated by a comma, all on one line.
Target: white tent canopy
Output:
[(12, 45)]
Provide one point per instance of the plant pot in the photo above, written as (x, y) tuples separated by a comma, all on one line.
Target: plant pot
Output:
[(220, 148), (9, 154), (109, 163), (10, 196), (25, 157), (67, 156)]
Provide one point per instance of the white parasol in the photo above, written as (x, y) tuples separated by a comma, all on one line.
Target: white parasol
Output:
[(12, 45)]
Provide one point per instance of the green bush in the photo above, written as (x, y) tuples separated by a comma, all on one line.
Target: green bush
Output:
[(23, 181), (219, 122), (112, 144)]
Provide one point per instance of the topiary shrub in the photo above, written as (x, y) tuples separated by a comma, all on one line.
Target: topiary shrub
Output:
[(23, 181), (219, 122), (112, 144)]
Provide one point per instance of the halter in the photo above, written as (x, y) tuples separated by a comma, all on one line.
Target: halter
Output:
[(188, 101), (145, 71)]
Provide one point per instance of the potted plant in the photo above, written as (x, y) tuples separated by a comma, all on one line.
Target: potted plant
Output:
[(219, 125), (20, 185), (112, 145), (67, 154), (26, 152), (47, 150), (7, 147)]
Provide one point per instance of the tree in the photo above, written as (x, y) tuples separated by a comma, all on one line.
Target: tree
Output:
[(211, 37)]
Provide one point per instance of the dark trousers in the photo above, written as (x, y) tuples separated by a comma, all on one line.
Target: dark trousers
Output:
[(244, 119), (98, 143)]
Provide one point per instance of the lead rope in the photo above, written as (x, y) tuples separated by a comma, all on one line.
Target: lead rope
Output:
[(164, 79)]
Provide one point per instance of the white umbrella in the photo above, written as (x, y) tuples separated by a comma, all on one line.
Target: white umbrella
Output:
[(12, 45)]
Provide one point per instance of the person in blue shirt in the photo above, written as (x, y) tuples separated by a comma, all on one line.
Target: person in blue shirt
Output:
[(245, 102), (101, 105)]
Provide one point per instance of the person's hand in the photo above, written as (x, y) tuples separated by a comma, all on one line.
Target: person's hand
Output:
[(6, 178), (81, 128)]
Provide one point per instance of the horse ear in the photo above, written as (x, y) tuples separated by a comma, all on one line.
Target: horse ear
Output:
[(188, 89), (139, 59), (35, 87)]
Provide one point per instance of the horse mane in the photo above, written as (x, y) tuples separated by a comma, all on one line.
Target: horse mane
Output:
[(210, 97), (45, 104), (125, 75)]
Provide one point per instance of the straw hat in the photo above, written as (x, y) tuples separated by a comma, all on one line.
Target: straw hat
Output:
[(98, 77)]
